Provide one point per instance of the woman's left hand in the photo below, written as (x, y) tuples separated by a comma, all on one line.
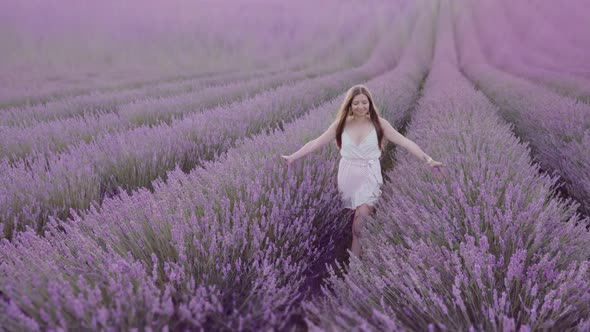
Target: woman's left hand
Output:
[(434, 164), (436, 167)]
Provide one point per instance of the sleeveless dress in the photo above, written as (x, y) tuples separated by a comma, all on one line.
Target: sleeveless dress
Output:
[(359, 171)]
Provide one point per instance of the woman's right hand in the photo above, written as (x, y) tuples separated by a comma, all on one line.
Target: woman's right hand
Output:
[(288, 160)]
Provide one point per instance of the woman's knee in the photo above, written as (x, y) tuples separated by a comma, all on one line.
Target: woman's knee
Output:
[(356, 227), (363, 210)]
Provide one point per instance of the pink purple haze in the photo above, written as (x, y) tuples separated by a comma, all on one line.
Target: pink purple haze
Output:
[(141, 184)]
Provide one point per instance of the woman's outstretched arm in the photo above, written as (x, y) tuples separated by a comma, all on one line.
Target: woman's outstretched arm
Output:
[(315, 144), (395, 137)]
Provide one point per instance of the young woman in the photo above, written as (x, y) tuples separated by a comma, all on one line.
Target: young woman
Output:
[(359, 132)]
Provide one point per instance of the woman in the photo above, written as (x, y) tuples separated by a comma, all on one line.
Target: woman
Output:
[(360, 145)]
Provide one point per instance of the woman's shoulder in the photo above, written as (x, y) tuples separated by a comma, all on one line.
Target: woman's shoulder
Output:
[(383, 122)]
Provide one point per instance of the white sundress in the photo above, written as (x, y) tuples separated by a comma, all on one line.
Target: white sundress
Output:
[(359, 171)]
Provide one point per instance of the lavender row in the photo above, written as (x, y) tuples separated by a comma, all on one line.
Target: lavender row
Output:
[(59, 135), (549, 38), (487, 247), (498, 37), (149, 83), (37, 187), (108, 102), (55, 89), (556, 127), (317, 54), (230, 243), (223, 37), (152, 111), (568, 83), (50, 93), (562, 83), (508, 42)]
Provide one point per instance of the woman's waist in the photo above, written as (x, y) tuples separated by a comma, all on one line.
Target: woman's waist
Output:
[(360, 161)]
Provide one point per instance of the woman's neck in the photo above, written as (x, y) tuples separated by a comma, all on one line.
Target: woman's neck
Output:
[(360, 119)]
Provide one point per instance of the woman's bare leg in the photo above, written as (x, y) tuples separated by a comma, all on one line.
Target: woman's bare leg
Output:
[(360, 213)]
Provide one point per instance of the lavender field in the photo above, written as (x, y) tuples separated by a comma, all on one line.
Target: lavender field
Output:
[(142, 188)]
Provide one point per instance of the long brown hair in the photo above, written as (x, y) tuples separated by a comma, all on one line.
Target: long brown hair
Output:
[(345, 110)]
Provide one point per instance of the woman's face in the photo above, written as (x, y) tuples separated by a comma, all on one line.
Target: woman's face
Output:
[(360, 105)]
